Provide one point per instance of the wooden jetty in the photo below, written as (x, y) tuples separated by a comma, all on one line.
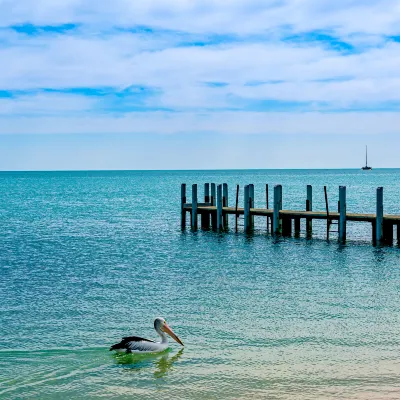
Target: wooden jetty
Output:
[(214, 213)]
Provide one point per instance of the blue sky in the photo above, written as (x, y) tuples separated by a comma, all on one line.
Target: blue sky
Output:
[(163, 84)]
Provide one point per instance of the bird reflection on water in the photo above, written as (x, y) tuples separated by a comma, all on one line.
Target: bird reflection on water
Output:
[(162, 362)]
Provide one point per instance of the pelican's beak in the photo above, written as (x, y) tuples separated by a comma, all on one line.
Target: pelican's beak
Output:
[(168, 330)]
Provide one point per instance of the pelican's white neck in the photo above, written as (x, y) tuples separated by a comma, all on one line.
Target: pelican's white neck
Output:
[(163, 336)]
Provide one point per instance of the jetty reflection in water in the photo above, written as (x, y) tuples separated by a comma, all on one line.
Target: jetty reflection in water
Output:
[(162, 362)]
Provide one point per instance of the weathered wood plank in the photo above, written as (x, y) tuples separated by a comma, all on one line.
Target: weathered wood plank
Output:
[(296, 213)]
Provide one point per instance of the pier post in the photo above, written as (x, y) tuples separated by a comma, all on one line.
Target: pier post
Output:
[(236, 208), (309, 208), (205, 217), (373, 226), (398, 234), (194, 207), (342, 217), (297, 226), (286, 226), (246, 206), (251, 194), (183, 201), (379, 215), (277, 221), (220, 224), (225, 203), (267, 204), (388, 232), (213, 201)]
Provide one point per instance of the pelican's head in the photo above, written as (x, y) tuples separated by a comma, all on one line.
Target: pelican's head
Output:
[(160, 325)]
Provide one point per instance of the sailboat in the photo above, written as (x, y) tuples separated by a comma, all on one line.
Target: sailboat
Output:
[(366, 167)]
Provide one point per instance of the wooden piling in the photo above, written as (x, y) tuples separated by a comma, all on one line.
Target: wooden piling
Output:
[(297, 226), (246, 206), (309, 208), (267, 203), (220, 224), (281, 220), (328, 220), (388, 232), (277, 221), (342, 218), (286, 226), (373, 225), (236, 208), (194, 207), (225, 203), (183, 201), (379, 215), (398, 234), (213, 201), (251, 194), (205, 217)]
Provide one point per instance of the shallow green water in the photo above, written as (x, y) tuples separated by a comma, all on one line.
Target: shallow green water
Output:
[(88, 257)]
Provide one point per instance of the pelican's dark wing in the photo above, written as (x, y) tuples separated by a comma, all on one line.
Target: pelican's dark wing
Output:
[(131, 343)]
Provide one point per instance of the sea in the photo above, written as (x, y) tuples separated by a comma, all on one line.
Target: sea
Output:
[(87, 257)]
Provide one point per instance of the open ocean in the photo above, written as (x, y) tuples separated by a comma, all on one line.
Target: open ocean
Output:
[(89, 257)]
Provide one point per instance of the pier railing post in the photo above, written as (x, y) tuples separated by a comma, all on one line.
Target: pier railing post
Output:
[(246, 206), (342, 217), (225, 202), (267, 204), (236, 208), (194, 207), (213, 203), (379, 215), (183, 201), (309, 208), (205, 216), (251, 195), (220, 225), (277, 221)]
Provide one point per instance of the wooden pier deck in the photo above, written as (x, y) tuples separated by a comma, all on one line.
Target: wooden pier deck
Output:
[(262, 212), (279, 221)]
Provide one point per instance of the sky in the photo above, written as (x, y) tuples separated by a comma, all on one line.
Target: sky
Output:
[(199, 84)]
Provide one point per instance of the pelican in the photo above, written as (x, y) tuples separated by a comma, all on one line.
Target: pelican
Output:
[(134, 344)]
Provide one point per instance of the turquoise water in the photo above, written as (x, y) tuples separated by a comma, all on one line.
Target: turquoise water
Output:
[(88, 257)]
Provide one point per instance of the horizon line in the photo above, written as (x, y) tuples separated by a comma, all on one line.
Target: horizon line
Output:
[(196, 170)]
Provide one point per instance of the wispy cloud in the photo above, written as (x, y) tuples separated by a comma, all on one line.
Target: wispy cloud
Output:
[(186, 66)]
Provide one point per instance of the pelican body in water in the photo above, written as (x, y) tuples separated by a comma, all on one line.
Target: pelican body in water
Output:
[(134, 344)]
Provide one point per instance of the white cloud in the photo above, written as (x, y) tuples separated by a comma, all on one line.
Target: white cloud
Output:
[(102, 53), (222, 122), (45, 104)]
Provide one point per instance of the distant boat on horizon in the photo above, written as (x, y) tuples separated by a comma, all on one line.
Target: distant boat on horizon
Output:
[(366, 167)]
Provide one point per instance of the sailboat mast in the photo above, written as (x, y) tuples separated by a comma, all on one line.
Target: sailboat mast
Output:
[(366, 156)]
